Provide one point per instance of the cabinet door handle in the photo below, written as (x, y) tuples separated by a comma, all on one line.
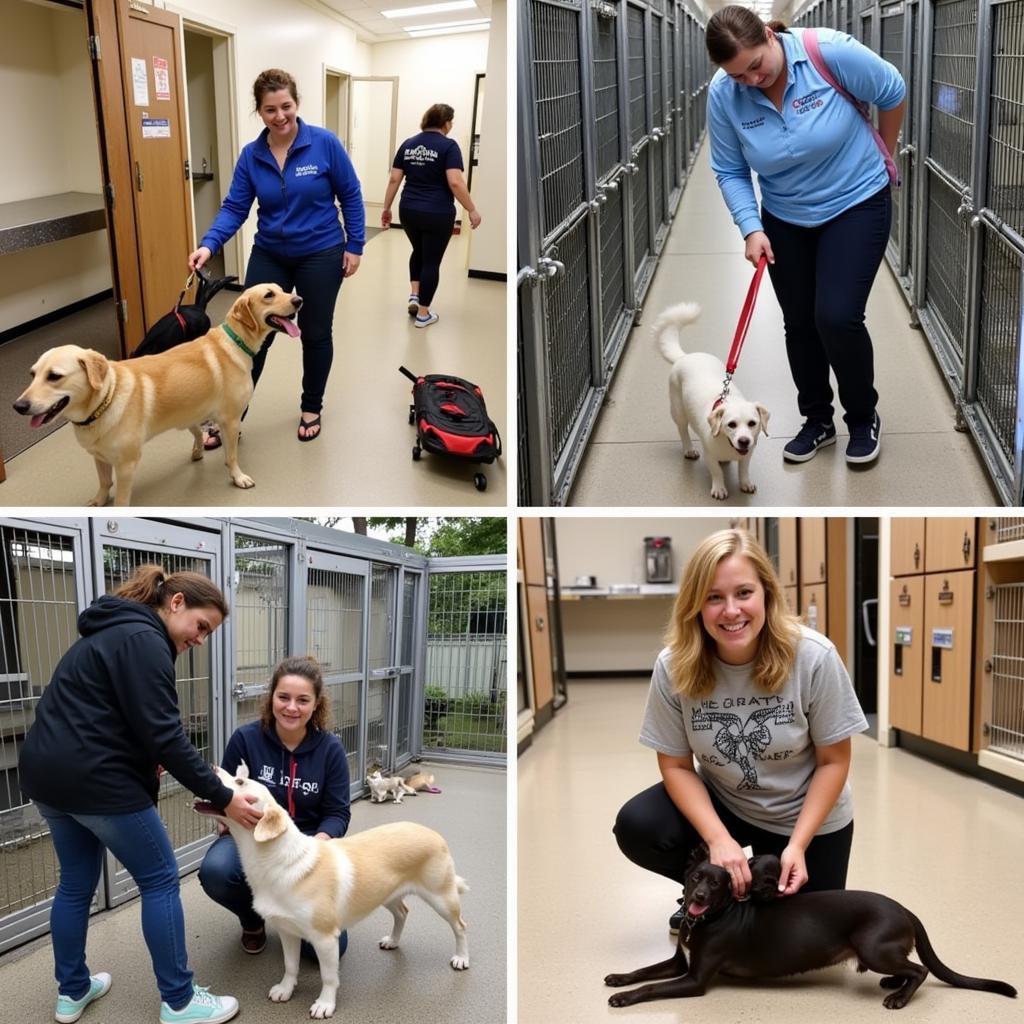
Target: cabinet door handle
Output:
[(917, 555), (936, 664), (897, 659), (967, 547), (539, 621)]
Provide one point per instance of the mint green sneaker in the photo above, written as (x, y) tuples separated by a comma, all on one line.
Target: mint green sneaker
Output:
[(204, 1008), (69, 1010)]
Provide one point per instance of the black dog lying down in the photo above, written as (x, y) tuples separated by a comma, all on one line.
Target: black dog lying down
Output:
[(770, 938)]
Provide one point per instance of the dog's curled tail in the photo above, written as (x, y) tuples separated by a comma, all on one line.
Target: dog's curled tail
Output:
[(668, 326), (947, 974)]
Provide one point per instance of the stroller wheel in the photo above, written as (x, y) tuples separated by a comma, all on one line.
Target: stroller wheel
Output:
[(416, 453), (480, 481)]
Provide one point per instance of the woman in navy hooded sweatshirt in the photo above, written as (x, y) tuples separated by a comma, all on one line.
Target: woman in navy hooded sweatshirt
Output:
[(291, 750), (298, 173)]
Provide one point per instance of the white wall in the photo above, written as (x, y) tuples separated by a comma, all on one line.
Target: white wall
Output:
[(618, 635), (44, 72), (488, 244)]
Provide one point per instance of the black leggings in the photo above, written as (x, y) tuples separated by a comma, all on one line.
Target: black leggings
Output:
[(652, 832), (429, 235), (822, 277)]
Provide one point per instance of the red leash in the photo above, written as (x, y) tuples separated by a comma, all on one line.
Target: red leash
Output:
[(746, 315)]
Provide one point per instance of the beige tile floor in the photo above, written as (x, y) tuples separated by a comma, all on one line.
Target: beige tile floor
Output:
[(635, 457), (943, 844), (363, 457)]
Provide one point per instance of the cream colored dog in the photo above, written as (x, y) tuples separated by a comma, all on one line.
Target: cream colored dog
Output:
[(313, 889), (117, 406), (728, 430)]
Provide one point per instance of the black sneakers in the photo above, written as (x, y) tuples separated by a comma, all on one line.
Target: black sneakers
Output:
[(864, 443), (811, 437), (675, 922)]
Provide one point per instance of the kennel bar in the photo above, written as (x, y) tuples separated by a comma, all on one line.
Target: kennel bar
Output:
[(1005, 725)]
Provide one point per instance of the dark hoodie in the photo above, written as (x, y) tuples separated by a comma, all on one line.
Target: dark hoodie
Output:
[(109, 716), (309, 782)]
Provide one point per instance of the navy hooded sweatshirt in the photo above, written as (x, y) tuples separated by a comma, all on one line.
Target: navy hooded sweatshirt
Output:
[(310, 782), (109, 716)]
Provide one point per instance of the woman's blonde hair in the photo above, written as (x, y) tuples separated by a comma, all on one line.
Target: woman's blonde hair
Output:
[(692, 650), (308, 668)]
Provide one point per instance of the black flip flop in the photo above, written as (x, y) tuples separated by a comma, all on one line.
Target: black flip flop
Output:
[(307, 424)]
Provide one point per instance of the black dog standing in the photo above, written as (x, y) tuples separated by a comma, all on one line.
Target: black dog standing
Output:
[(766, 937)]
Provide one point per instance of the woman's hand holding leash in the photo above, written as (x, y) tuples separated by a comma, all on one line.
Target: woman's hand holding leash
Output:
[(757, 245)]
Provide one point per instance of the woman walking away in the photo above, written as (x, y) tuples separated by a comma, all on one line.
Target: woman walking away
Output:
[(297, 173), (431, 164), (106, 723), (825, 203)]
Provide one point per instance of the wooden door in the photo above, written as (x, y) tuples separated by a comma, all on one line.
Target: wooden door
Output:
[(152, 78), (814, 607), (531, 536), (792, 599), (906, 666), (812, 550), (540, 652), (949, 543), (787, 552), (907, 545), (946, 706)]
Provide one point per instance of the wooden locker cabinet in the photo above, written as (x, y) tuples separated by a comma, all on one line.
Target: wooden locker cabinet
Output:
[(787, 552), (906, 665), (813, 568), (949, 544), (907, 545), (540, 647), (532, 542), (814, 607), (946, 703), (792, 599)]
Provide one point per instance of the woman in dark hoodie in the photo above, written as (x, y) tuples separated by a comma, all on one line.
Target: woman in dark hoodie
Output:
[(291, 750), (107, 720)]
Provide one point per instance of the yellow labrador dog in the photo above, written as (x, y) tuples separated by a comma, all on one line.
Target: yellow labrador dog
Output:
[(313, 889), (117, 406)]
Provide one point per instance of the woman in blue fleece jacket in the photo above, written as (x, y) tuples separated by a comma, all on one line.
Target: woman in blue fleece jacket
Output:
[(291, 750), (297, 173), (825, 202)]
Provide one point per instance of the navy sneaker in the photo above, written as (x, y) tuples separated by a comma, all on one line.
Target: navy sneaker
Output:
[(865, 443), (675, 922), (805, 445)]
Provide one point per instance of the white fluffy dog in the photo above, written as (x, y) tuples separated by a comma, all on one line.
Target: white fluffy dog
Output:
[(729, 431), (383, 786)]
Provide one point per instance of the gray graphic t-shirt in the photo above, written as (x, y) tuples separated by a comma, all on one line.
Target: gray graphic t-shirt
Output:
[(755, 750)]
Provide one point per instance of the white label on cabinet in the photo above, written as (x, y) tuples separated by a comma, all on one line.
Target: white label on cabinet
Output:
[(942, 638)]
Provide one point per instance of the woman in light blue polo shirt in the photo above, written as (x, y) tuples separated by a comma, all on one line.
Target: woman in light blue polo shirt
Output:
[(825, 203)]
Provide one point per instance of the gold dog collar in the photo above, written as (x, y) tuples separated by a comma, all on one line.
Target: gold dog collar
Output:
[(97, 412)]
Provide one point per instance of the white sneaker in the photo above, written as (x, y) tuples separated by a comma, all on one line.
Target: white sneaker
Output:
[(431, 318), (203, 1008), (69, 1010)]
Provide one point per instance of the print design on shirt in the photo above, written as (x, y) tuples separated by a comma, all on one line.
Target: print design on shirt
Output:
[(420, 156), (742, 743), (305, 170), (756, 123), (266, 775), (806, 103)]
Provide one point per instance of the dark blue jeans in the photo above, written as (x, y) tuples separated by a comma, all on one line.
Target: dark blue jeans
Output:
[(223, 880), (822, 277), (317, 278), (651, 832), (429, 235), (139, 841)]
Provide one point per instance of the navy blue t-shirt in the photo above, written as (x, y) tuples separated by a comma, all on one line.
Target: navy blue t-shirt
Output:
[(425, 159)]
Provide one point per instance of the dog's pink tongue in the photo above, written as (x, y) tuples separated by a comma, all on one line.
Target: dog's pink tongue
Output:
[(286, 325), (37, 421), (695, 910)]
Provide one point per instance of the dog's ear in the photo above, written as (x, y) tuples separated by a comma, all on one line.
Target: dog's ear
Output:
[(271, 825), (715, 419), (241, 310), (95, 366), (764, 414), (698, 855), (242, 772)]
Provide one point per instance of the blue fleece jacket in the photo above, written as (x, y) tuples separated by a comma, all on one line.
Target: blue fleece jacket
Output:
[(296, 214), (310, 782)]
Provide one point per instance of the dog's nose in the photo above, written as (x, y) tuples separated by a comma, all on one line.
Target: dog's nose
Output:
[(743, 442), (22, 406), (297, 301)]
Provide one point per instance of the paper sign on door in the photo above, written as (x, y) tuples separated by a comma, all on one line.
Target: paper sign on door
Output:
[(161, 79), (156, 128), (140, 82)]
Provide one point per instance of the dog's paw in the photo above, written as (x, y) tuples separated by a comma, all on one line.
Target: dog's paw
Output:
[(99, 501), (691, 453), (748, 488), (281, 992), (720, 493), (243, 481), (321, 1010), (616, 980), (621, 999), (896, 1000), (460, 963), (388, 943), (197, 454)]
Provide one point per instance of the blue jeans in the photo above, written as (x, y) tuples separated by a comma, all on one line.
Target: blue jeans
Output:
[(223, 880), (139, 841), (317, 278), (822, 277)]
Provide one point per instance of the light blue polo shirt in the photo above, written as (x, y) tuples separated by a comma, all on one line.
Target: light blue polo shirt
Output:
[(817, 157)]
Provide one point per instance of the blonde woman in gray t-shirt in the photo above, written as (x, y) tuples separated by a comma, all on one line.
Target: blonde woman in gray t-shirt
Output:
[(751, 716)]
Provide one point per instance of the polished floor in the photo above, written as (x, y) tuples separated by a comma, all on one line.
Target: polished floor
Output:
[(945, 845), (635, 456), (364, 454), (406, 985)]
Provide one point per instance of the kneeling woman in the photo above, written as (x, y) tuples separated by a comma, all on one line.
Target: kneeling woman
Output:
[(291, 750)]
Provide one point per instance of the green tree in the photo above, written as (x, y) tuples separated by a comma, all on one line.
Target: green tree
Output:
[(468, 535)]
